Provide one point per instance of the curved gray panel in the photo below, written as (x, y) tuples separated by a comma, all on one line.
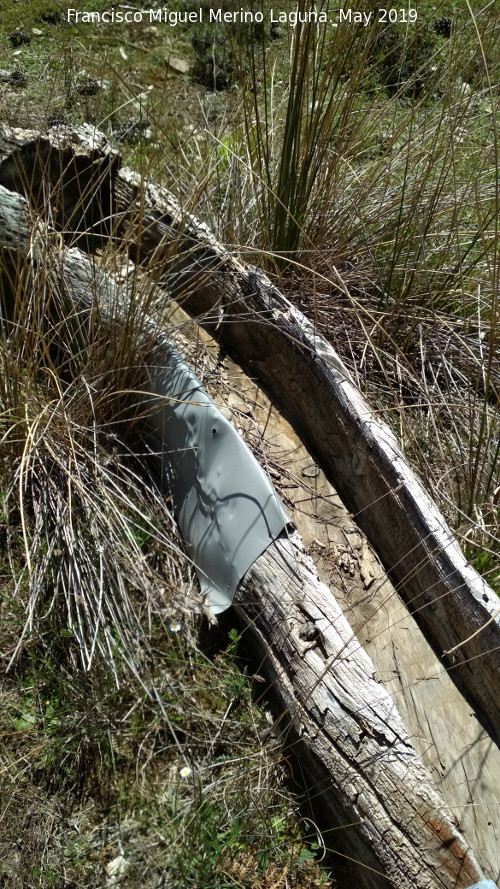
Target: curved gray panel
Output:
[(226, 507)]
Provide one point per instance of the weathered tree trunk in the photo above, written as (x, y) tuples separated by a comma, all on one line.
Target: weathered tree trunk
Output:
[(357, 451), (253, 321), (354, 746), (346, 731)]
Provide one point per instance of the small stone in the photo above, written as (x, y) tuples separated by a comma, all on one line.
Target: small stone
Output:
[(35, 32), (178, 64), (117, 870), (310, 471)]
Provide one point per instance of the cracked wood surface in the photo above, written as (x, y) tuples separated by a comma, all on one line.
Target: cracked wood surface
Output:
[(357, 451), (463, 760), (345, 731), (93, 199), (452, 864)]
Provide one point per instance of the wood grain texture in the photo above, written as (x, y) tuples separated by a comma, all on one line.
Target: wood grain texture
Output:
[(357, 451), (354, 748), (463, 760), (346, 732), (267, 335)]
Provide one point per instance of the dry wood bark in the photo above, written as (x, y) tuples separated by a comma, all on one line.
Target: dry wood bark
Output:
[(256, 324), (345, 730), (355, 748), (463, 760), (359, 454), (357, 451)]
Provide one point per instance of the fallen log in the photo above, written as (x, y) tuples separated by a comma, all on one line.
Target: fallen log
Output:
[(345, 730), (463, 760), (93, 199), (454, 606), (353, 745)]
